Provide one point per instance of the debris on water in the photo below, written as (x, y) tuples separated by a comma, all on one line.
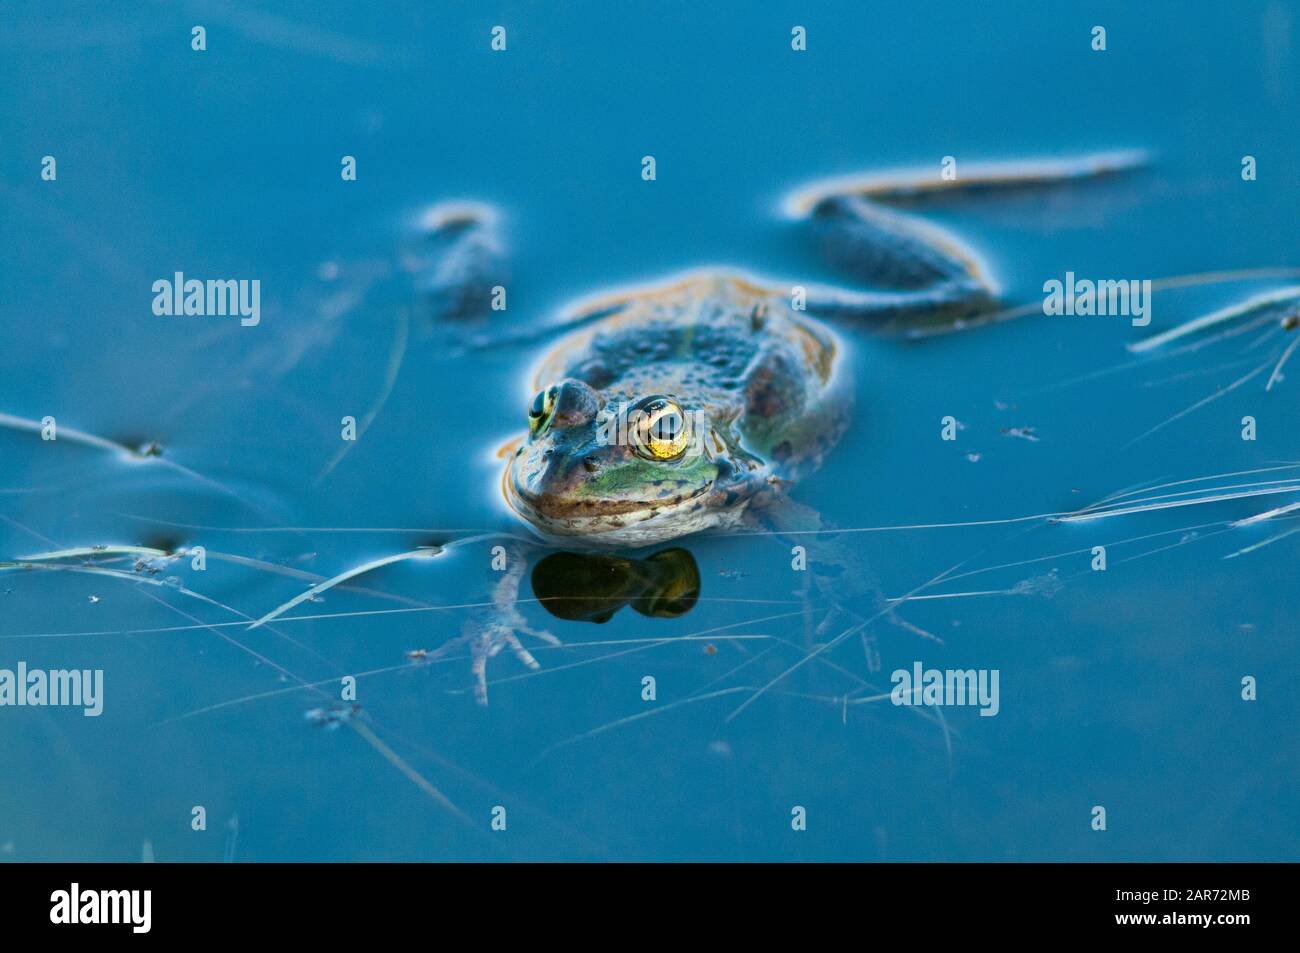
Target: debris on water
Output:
[(710, 649), (1247, 627), (731, 574), (973, 456), (232, 839), (1024, 433), (720, 748), (151, 448), (334, 715), (871, 650), (1048, 584), (94, 599), (1005, 405), (152, 565), (417, 655)]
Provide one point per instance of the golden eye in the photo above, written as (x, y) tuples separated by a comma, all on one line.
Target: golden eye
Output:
[(660, 428), (540, 411)]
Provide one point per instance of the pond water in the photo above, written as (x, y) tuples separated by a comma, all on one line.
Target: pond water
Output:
[(1120, 689)]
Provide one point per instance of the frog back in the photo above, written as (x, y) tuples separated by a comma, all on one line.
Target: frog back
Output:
[(770, 379)]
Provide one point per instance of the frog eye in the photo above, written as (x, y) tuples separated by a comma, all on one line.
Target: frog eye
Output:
[(540, 411), (660, 428)]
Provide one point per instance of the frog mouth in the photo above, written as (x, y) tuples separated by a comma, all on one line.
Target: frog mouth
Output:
[(614, 518)]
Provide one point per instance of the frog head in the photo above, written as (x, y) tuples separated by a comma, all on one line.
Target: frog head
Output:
[(617, 471)]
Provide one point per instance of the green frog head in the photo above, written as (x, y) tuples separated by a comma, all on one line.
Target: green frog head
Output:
[(619, 469)]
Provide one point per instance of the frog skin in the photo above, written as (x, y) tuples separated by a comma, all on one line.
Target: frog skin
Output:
[(754, 390)]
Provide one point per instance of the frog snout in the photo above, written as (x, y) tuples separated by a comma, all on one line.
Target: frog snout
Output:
[(566, 476), (582, 467)]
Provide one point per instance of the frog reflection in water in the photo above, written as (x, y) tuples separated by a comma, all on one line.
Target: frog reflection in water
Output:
[(698, 404), (591, 587)]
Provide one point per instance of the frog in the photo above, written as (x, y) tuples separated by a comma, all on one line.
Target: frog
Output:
[(671, 416), (698, 403)]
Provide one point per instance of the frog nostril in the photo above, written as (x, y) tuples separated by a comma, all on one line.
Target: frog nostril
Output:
[(591, 464)]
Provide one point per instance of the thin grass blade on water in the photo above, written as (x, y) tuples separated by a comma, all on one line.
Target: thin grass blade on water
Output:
[(425, 552)]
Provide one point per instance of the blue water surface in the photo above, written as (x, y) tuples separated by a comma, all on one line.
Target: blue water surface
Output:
[(1120, 689)]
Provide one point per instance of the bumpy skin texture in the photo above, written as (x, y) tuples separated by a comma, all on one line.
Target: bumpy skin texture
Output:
[(760, 383)]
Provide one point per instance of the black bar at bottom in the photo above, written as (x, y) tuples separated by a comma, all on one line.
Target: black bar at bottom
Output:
[(332, 903)]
